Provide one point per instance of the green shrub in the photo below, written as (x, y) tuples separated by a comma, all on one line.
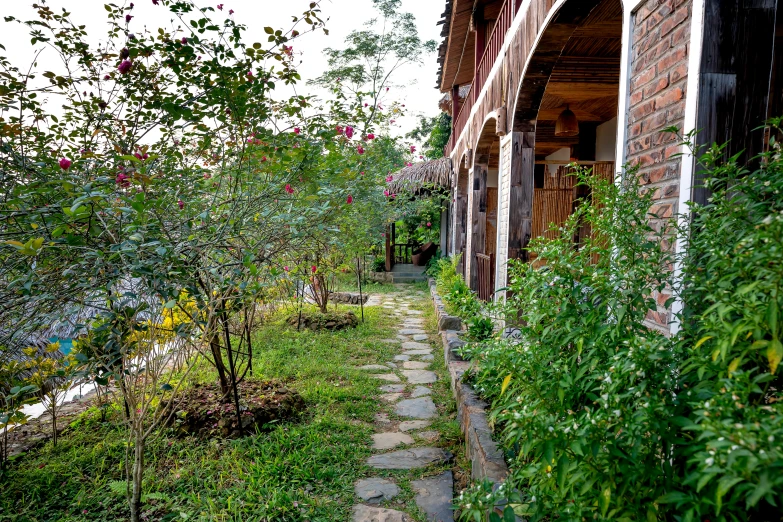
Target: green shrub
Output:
[(731, 458), (583, 398), (378, 265)]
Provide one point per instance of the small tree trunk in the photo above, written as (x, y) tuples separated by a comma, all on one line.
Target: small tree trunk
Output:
[(217, 355), (136, 478)]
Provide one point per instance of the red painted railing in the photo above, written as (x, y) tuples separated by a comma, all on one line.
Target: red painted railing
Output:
[(491, 51)]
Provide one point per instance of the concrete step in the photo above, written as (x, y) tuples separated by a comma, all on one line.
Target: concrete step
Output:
[(409, 279)]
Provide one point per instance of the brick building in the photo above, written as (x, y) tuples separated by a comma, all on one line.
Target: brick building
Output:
[(537, 84)]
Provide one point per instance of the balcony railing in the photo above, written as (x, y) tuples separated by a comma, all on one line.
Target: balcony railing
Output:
[(491, 51)]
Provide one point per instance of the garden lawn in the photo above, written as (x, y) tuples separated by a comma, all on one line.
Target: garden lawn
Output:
[(303, 470)]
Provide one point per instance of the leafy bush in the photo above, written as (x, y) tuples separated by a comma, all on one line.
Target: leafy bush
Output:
[(460, 300), (583, 397), (605, 419), (378, 265), (731, 458), (480, 328)]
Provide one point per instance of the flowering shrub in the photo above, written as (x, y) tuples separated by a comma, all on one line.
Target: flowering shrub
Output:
[(604, 418)]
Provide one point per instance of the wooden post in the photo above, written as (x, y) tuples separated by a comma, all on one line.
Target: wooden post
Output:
[(389, 253), (520, 204), (479, 218)]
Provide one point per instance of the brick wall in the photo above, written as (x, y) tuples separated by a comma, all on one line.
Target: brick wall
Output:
[(658, 74)]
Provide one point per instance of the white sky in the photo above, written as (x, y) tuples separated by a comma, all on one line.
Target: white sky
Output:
[(417, 89)]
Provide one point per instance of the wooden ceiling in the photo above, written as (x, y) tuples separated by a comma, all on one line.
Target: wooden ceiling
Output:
[(457, 52), (586, 77)]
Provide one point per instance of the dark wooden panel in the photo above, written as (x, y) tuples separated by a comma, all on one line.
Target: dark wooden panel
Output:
[(479, 217), (520, 205)]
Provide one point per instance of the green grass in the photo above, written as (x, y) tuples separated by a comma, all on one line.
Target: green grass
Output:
[(298, 471)]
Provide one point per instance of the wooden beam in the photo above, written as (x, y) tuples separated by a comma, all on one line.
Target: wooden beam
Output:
[(520, 205), (479, 218)]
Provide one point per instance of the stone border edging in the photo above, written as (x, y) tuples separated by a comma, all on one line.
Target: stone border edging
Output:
[(486, 458)]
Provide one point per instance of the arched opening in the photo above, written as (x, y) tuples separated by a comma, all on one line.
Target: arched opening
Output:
[(566, 111), (484, 215)]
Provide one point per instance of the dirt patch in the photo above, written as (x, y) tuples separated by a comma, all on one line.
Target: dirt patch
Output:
[(204, 412), (329, 321)]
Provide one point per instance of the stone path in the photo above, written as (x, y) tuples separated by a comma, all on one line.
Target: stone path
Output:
[(403, 441)]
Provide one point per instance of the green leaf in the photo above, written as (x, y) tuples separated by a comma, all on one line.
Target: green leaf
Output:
[(702, 341), (774, 354), (494, 517), (508, 515), (505, 384), (724, 486), (170, 304), (604, 500)]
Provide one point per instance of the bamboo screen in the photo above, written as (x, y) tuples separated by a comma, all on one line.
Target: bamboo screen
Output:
[(555, 202)]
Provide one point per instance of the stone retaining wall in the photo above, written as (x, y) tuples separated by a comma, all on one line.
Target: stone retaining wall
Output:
[(486, 458)]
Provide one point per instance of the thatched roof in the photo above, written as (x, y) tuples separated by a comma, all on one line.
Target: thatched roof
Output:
[(445, 101), (421, 177)]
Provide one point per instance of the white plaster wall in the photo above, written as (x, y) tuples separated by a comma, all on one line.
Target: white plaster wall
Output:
[(503, 216), (492, 178), (606, 141), (563, 154)]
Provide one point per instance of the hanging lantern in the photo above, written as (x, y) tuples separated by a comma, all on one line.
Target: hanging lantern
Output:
[(567, 125)]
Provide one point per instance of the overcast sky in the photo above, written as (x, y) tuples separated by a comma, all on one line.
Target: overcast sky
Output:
[(418, 92)]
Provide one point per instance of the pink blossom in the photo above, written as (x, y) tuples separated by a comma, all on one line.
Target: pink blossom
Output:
[(65, 163), (128, 18), (389, 178), (286, 269), (338, 129), (350, 199), (409, 164), (392, 121), (365, 105), (297, 130), (371, 136), (155, 2), (360, 149), (122, 179), (393, 196), (387, 89), (141, 156), (383, 234), (421, 157), (361, 173), (429, 224), (314, 268), (181, 204), (263, 159), (386, 193), (289, 188), (220, 7), (349, 131), (184, 40), (294, 33), (106, 77), (413, 149), (124, 66), (230, 11)]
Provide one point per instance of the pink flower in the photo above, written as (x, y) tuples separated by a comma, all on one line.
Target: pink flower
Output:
[(184, 40), (360, 149), (124, 66), (106, 77), (383, 234), (387, 89), (409, 164), (289, 188), (349, 200), (386, 193), (220, 7), (314, 268), (155, 2), (361, 173), (65, 163), (371, 136), (122, 180), (365, 105), (286, 269), (181, 204), (128, 18), (393, 196), (250, 75), (429, 224), (297, 130), (294, 33), (338, 129), (140, 156), (413, 149), (392, 121), (421, 157), (389, 178), (230, 12), (349, 131), (263, 159)]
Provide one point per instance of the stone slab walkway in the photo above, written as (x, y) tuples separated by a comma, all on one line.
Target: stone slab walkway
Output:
[(404, 454)]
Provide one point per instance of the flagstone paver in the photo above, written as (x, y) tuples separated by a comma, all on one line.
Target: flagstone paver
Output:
[(373, 490), (418, 408), (415, 365), (409, 458), (420, 391), (413, 425), (409, 399), (389, 440), (433, 496), (411, 345), (419, 376), (362, 513)]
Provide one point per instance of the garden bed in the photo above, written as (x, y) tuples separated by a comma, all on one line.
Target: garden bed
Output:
[(329, 321), (205, 411)]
